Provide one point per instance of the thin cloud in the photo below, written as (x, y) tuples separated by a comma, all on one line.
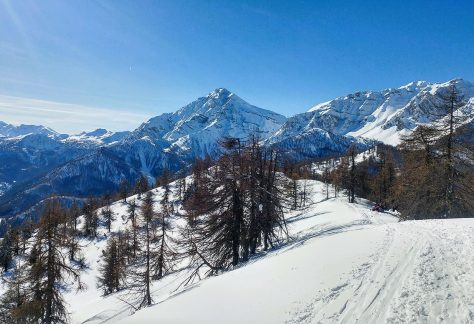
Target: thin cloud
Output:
[(66, 117)]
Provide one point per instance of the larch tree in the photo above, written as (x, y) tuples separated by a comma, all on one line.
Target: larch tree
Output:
[(14, 296), (241, 210), (352, 174), (142, 186), (113, 268), (132, 216), (124, 190), (91, 219), (166, 254), (141, 272), (106, 212), (6, 250), (51, 271)]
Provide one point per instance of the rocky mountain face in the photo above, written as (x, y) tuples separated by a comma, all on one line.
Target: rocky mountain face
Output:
[(194, 130), (36, 161)]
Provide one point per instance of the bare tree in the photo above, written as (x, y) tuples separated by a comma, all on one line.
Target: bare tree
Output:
[(241, 210), (50, 271), (113, 268)]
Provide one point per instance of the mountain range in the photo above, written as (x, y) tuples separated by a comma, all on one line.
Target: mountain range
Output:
[(36, 161)]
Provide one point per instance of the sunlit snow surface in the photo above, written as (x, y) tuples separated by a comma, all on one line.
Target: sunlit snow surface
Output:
[(380, 115), (342, 264)]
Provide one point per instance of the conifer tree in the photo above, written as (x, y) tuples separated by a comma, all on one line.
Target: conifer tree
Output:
[(165, 253), (292, 186), (25, 233), (124, 190), (113, 267), (15, 296), (326, 177), (272, 220), (107, 213), (50, 271), (242, 207), (6, 250), (91, 219), (74, 213), (441, 149), (141, 186), (340, 175), (141, 274), (383, 182), (352, 174), (132, 211), (196, 194)]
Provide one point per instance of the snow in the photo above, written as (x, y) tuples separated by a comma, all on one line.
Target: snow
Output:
[(97, 137), (343, 263), (4, 187), (379, 115), (9, 130)]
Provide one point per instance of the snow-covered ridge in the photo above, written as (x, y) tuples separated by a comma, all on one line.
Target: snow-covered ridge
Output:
[(99, 137), (9, 130), (197, 126), (379, 115)]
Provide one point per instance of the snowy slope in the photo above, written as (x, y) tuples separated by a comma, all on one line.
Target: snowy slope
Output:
[(345, 264), (342, 264)]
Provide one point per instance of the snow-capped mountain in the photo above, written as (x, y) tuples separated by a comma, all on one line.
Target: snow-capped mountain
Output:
[(378, 115), (99, 136), (9, 130), (198, 126), (173, 139), (317, 143)]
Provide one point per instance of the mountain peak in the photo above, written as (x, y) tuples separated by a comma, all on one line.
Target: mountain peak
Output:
[(220, 93), (96, 132), (9, 130), (415, 85)]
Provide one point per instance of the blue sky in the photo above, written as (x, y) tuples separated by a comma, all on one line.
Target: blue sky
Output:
[(81, 61)]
